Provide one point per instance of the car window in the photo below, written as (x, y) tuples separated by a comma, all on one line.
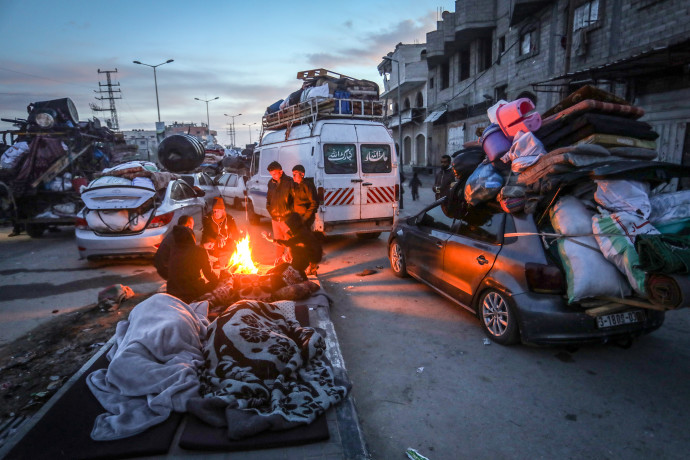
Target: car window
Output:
[(481, 223), (436, 218), (340, 158), (222, 179), (376, 158), (232, 180), (203, 179), (188, 179), (181, 191)]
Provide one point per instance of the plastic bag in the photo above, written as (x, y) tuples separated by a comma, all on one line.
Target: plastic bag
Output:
[(624, 196), (12, 155), (524, 152), (587, 271), (483, 184)]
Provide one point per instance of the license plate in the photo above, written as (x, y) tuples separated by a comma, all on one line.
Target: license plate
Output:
[(618, 319)]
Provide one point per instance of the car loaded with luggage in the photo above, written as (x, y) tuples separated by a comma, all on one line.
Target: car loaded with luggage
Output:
[(44, 162), (129, 208), (333, 127), (560, 228)]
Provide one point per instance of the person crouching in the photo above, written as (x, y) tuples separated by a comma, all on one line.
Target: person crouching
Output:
[(185, 267), (305, 247)]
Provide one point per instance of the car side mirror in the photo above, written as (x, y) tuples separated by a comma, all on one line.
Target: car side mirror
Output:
[(198, 191), (413, 220)]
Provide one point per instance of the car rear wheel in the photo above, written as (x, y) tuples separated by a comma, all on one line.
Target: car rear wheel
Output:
[(397, 259), (253, 217), (498, 318), (35, 230)]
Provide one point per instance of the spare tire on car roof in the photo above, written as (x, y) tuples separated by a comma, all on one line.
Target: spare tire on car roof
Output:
[(181, 153)]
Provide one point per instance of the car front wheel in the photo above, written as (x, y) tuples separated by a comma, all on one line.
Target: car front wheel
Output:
[(397, 259), (498, 318)]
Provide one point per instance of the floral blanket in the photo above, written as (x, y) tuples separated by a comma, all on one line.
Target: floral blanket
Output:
[(264, 371)]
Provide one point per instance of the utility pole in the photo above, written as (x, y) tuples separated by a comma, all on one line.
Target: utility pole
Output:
[(114, 124)]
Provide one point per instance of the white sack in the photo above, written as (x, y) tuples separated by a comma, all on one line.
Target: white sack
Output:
[(143, 182), (108, 221), (12, 155), (524, 152), (615, 233), (669, 207), (624, 196), (316, 91), (587, 271), (109, 181)]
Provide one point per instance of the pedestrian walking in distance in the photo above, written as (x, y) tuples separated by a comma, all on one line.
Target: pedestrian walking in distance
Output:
[(415, 183)]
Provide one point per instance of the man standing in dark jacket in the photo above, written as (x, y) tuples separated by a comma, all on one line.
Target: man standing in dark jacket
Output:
[(279, 204), (162, 258), (444, 178), (305, 197), (187, 262)]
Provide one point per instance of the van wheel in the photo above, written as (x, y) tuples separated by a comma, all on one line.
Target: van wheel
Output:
[(368, 236), (253, 217), (35, 230)]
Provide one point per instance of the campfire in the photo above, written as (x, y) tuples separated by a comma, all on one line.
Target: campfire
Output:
[(241, 260)]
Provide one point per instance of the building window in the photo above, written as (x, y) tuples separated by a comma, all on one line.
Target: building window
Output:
[(501, 44), (464, 64), (420, 100), (406, 103), (529, 41), (501, 93), (431, 83), (484, 54), (586, 15), (445, 75)]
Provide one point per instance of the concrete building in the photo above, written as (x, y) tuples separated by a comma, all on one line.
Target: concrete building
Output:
[(145, 141), (198, 130), (410, 110), (485, 51)]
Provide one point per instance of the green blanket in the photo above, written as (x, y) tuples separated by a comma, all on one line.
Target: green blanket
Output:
[(664, 253)]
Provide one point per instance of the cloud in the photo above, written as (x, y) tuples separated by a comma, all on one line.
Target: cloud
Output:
[(348, 24)]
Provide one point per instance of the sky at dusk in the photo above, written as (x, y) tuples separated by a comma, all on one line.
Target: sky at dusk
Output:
[(247, 53)]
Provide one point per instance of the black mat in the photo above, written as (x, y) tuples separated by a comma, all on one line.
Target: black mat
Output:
[(64, 431), (197, 435)]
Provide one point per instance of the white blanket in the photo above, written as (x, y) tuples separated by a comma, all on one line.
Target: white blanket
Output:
[(153, 367)]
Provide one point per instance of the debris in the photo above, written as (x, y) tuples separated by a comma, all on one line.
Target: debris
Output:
[(366, 272), (343, 316), (412, 454), (420, 370), (54, 377), (487, 342), (55, 311), (113, 296)]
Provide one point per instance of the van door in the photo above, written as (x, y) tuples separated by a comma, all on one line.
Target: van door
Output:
[(377, 173), (342, 181), (258, 184)]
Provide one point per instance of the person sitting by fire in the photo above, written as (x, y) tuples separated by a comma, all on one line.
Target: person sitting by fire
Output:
[(186, 264), (220, 233), (305, 247), (161, 259)]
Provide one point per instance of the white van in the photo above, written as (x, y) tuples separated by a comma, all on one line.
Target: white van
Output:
[(354, 168)]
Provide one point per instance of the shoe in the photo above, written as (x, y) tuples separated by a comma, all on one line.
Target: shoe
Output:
[(14, 233)]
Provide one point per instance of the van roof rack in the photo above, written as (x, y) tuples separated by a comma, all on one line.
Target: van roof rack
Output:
[(305, 74), (320, 108)]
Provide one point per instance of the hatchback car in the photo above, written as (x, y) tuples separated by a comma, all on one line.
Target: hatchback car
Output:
[(132, 221), (205, 183), (232, 188), (511, 283)]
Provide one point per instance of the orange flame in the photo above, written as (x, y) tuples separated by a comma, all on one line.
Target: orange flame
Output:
[(241, 260)]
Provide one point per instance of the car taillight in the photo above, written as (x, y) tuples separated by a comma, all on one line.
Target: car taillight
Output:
[(81, 223), (545, 279), (163, 219), (320, 194)]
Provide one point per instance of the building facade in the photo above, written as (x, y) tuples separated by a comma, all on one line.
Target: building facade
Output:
[(145, 141), (486, 51)]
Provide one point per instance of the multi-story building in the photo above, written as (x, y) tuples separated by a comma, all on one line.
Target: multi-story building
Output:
[(201, 130), (145, 141), (545, 49), (405, 75)]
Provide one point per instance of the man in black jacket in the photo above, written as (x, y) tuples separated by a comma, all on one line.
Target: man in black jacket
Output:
[(305, 196), (187, 262), (279, 204), (444, 178), (162, 257)]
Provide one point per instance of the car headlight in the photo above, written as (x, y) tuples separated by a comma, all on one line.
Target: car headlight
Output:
[(45, 120)]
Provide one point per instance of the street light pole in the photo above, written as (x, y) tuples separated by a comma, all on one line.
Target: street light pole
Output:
[(249, 127), (208, 120), (155, 81), (400, 136), (233, 126)]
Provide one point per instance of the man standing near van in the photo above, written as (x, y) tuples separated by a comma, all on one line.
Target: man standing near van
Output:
[(305, 197), (279, 204), (444, 178)]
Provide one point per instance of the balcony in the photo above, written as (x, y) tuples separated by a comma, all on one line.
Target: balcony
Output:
[(522, 9), (474, 19)]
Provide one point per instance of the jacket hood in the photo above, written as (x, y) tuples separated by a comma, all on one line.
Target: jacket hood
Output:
[(184, 236)]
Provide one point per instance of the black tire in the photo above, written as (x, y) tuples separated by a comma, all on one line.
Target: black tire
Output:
[(397, 259), (497, 317), (368, 236), (35, 230), (253, 217)]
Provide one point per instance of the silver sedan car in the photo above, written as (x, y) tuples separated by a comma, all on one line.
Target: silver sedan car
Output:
[(126, 220)]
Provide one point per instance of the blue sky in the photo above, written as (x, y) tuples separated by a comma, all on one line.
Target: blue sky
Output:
[(247, 53)]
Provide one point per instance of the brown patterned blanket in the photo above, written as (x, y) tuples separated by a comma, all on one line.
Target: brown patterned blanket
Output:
[(264, 371)]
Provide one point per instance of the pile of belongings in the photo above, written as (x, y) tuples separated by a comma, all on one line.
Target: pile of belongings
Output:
[(324, 86), (587, 172), (254, 368), (140, 174)]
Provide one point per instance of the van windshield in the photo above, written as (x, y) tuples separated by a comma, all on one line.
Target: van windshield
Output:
[(340, 158), (376, 158)]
